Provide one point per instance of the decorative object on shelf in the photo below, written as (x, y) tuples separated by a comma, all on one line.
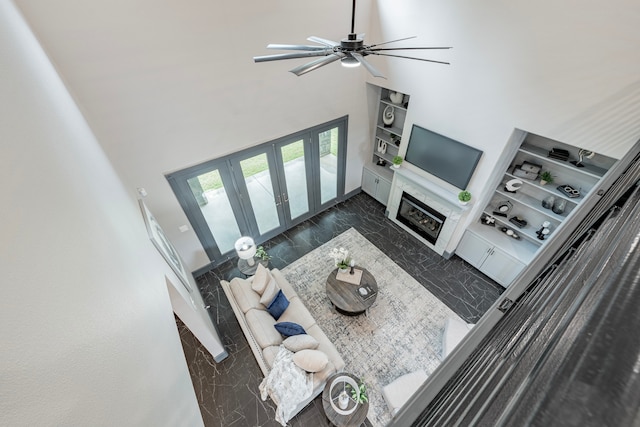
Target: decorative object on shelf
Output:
[(341, 405), (527, 171), (546, 178), (341, 258), (559, 206), (464, 197), (395, 139), (388, 116), (396, 97), (382, 146), (509, 232), (488, 220), (518, 221), (397, 161), (548, 201), (503, 208), (513, 185), (569, 191), (581, 155), (262, 253), (544, 231), (352, 264), (246, 249), (559, 154), (381, 162)]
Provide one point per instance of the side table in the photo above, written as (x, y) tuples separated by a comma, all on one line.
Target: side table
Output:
[(250, 270), (354, 419)]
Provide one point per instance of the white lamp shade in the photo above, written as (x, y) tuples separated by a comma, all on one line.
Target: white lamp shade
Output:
[(245, 248)]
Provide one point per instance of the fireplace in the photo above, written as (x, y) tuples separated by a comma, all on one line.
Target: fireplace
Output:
[(419, 217)]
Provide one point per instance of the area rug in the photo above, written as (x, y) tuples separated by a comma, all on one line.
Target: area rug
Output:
[(402, 331)]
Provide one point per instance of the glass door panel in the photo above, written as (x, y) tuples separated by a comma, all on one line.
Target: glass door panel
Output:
[(295, 174), (328, 153), (259, 183), (213, 200)]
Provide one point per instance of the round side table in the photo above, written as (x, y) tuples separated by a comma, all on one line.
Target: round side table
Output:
[(354, 419), (250, 270)]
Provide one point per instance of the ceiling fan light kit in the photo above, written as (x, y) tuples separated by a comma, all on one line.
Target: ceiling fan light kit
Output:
[(350, 51)]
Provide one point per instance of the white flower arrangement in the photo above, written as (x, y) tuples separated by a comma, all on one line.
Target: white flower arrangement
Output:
[(340, 257)]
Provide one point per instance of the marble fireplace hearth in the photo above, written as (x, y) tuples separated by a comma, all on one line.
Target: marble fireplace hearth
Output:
[(442, 201)]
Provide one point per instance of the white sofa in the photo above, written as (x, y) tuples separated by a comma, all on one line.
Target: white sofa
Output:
[(264, 340)]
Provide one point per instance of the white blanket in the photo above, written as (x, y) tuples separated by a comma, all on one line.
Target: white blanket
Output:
[(287, 384)]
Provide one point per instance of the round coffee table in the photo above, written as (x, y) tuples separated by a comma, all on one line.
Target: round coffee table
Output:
[(354, 419), (345, 296)]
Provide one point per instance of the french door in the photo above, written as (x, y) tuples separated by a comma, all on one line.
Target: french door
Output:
[(262, 191)]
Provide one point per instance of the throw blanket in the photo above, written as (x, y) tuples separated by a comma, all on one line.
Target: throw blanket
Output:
[(287, 384)]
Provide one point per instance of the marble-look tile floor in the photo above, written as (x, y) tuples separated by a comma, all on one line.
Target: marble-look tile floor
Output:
[(228, 391)]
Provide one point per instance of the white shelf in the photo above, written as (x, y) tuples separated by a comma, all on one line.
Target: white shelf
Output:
[(542, 154)]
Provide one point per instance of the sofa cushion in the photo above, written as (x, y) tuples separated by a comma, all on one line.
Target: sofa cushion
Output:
[(260, 279), (327, 347), (454, 331), (244, 295), (398, 392), (261, 325), (289, 329), (300, 342), (278, 305), (269, 293), (269, 354), (283, 283), (311, 360), (298, 313)]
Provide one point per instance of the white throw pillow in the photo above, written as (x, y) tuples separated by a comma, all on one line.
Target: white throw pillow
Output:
[(301, 342), (261, 279), (311, 360), (269, 293)]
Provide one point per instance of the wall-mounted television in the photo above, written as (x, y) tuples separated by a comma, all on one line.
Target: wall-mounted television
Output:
[(448, 159)]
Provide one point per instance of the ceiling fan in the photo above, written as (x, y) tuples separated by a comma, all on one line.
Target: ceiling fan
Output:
[(350, 51)]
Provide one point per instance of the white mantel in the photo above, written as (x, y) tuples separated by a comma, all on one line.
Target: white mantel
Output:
[(438, 198)]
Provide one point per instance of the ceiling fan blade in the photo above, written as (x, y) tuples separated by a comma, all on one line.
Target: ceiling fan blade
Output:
[(280, 56), (325, 42), (295, 47), (374, 72), (303, 69), (392, 41), (407, 57), (408, 48)]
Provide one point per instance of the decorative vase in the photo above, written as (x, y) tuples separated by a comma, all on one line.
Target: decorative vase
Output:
[(388, 116), (548, 201), (463, 203), (343, 400), (396, 166), (343, 270), (396, 97), (382, 146), (559, 206), (543, 182)]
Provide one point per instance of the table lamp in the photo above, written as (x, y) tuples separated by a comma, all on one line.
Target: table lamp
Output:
[(246, 249)]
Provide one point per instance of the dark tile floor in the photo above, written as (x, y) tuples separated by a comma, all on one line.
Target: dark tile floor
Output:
[(228, 391)]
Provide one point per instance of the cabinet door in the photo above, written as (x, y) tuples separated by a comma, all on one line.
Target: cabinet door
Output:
[(369, 183), (473, 249), (501, 267), (383, 191)]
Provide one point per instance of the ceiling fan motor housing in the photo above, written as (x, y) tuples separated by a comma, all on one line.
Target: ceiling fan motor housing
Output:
[(351, 43)]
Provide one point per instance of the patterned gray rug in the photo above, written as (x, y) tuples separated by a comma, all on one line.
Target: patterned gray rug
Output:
[(402, 331)]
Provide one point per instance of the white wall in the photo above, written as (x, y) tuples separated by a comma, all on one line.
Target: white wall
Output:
[(88, 336), (569, 71), (169, 85)]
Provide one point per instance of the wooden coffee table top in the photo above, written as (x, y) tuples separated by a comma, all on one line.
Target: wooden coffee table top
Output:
[(352, 420), (344, 296)]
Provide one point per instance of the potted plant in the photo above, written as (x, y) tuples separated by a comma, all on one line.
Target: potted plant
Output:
[(341, 258), (464, 197), (262, 254), (360, 395), (546, 178), (397, 161)]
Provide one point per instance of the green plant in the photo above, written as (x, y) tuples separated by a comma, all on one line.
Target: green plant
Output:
[(363, 393), (546, 176), (464, 196), (262, 253), (397, 160)]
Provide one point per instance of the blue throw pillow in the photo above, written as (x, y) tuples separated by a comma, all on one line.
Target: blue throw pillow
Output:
[(289, 329), (278, 305)]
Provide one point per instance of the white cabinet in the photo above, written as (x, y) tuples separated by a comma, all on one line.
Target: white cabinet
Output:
[(376, 185), (489, 259)]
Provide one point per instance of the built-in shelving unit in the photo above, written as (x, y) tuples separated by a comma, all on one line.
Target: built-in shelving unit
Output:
[(520, 242), (386, 143)]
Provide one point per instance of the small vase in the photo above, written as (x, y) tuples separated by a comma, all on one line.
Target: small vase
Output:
[(543, 182), (396, 97), (343, 400), (548, 202), (396, 166), (343, 270), (463, 203)]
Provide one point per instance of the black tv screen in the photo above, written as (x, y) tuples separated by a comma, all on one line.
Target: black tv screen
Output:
[(449, 160)]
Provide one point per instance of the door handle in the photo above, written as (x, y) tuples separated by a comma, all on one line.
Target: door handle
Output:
[(284, 198), (278, 202)]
